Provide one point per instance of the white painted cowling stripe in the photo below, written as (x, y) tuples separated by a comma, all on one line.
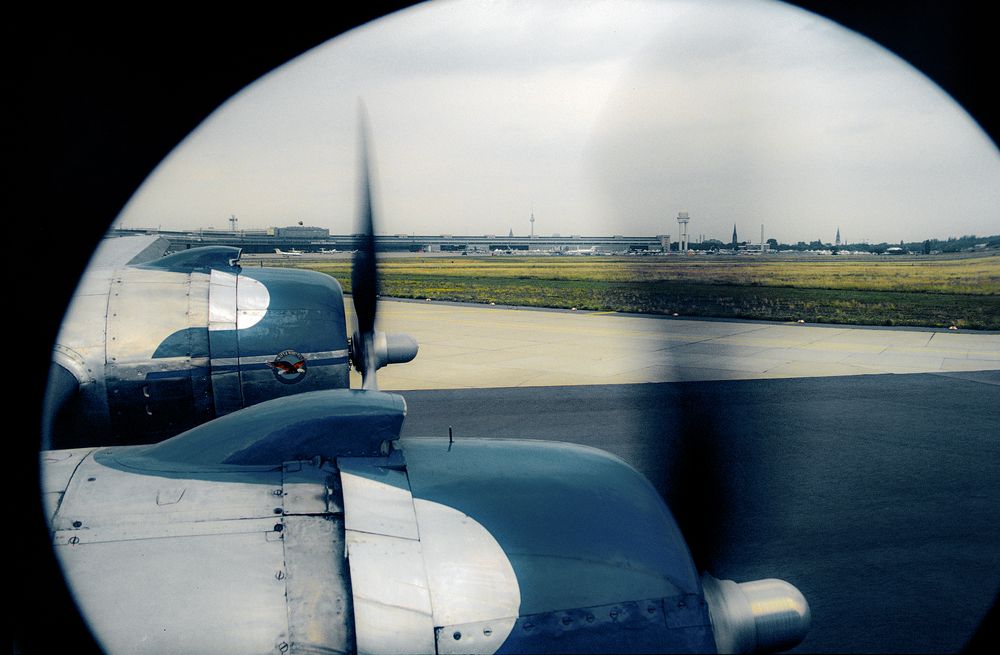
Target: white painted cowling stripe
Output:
[(417, 565), (263, 359), (235, 302)]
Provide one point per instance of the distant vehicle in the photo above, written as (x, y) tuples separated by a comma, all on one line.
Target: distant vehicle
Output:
[(289, 253), (328, 252)]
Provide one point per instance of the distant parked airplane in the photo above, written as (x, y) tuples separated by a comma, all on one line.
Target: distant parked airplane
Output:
[(288, 253)]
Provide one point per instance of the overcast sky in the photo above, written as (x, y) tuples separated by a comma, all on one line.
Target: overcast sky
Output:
[(599, 117)]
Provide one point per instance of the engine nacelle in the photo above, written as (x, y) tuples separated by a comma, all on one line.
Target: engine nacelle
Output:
[(148, 351)]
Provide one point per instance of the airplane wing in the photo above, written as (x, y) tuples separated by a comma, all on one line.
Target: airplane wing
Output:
[(114, 252)]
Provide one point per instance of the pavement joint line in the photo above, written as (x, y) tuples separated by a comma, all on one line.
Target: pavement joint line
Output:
[(721, 336)]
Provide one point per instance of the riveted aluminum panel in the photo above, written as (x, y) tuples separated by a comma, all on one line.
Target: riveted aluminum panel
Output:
[(157, 353), (145, 307), (376, 499), (222, 301), (222, 593), (119, 251), (103, 494), (468, 573), (320, 614), (133, 530), (307, 488), (56, 469), (227, 388), (627, 627), (485, 637), (80, 348), (392, 608), (86, 317)]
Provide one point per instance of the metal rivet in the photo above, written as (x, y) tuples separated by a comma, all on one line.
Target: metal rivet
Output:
[(277, 510), (528, 626), (681, 603), (487, 632), (278, 527), (651, 609), (457, 635), (91, 479), (283, 647), (590, 618), (280, 575), (276, 492), (614, 614), (74, 540), (566, 620), (77, 524)]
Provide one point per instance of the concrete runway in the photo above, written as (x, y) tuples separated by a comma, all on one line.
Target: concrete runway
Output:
[(477, 346), (878, 495)]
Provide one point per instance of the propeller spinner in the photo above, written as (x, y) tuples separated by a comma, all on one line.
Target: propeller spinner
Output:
[(370, 350)]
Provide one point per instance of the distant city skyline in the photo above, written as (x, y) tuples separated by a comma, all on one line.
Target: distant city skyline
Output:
[(698, 237), (600, 118)]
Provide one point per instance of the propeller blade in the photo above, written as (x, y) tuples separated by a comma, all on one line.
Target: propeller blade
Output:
[(364, 276)]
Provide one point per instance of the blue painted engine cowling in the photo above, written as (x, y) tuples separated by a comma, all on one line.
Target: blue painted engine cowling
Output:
[(599, 559), (158, 348), (304, 321)]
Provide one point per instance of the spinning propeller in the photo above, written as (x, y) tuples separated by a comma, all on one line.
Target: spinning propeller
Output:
[(370, 349)]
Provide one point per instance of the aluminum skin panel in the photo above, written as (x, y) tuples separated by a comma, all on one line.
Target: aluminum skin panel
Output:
[(153, 396), (468, 574), (144, 308), (57, 468), (105, 496), (392, 604), (479, 637), (223, 344), (80, 349), (221, 593), (679, 624), (392, 607), (307, 488), (377, 501), (320, 610), (118, 251)]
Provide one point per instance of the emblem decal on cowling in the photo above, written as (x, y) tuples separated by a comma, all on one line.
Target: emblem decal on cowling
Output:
[(288, 367)]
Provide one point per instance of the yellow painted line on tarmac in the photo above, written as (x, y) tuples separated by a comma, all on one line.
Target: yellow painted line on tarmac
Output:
[(600, 313)]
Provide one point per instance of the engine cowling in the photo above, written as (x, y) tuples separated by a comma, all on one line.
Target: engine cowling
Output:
[(158, 348)]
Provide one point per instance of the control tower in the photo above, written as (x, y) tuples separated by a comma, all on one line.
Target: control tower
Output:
[(682, 228)]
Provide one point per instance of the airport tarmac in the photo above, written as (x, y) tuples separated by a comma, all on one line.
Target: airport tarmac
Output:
[(859, 463), (477, 346)]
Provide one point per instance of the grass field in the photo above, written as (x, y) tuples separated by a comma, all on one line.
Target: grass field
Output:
[(932, 291)]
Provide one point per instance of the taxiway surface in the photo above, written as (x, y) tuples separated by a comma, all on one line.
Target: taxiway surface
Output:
[(476, 346), (860, 464)]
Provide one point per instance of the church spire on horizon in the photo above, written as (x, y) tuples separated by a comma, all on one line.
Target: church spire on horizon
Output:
[(837, 242), (734, 236)]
